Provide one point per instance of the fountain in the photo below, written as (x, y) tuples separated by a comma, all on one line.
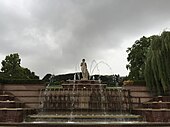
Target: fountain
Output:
[(84, 101)]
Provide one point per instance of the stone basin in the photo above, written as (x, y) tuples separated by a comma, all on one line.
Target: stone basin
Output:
[(82, 118), (83, 84)]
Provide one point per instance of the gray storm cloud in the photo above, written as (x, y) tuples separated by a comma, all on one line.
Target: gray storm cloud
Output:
[(52, 36)]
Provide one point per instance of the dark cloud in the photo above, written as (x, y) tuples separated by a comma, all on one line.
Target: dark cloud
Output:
[(54, 35)]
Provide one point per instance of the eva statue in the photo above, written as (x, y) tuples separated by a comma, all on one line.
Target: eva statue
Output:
[(84, 70)]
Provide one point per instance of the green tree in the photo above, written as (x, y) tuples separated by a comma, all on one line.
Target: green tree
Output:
[(157, 67), (11, 68), (136, 58)]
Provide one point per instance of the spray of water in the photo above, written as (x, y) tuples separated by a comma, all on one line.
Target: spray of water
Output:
[(93, 63), (97, 66)]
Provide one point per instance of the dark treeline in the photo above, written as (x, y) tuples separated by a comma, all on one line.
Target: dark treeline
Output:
[(110, 80)]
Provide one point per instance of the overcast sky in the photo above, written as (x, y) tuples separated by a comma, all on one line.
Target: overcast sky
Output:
[(52, 36)]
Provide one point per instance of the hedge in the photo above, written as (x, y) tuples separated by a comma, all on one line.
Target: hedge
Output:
[(21, 81)]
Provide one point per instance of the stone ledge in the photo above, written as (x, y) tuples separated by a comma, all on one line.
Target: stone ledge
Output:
[(94, 124)]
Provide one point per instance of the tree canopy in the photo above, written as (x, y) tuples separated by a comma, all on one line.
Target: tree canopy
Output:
[(157, 67), (136, 58), (149, 59), (11, 68)]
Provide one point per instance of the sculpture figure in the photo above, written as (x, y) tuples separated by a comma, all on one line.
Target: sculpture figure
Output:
[(85, 73)]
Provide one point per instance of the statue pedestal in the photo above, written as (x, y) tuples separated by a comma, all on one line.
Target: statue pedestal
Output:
[(89, 84)]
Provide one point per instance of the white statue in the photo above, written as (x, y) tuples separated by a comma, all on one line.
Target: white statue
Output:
[(84, 70)]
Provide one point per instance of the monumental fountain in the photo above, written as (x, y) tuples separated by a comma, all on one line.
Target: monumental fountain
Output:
[(83, 101), (87, 102)]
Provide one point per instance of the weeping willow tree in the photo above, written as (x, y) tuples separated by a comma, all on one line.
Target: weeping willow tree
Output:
[(157, 66)]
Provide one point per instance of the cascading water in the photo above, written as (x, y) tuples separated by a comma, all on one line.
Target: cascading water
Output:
[(85, 101), (85, 105), (103, 99), (72, 100), (44, 96)]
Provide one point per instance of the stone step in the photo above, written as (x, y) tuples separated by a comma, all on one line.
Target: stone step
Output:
[(161, 99), (156, 105), (15, 114), (153, 115), (11, 104), (151, 109), (5, 97)]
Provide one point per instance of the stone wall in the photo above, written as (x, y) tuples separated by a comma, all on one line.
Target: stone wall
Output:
[(139, 94), (30, 93), (26, 93)]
